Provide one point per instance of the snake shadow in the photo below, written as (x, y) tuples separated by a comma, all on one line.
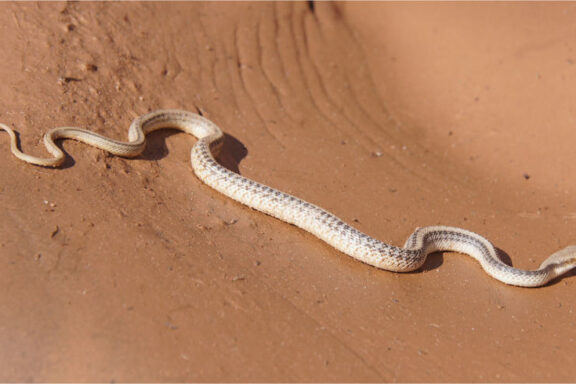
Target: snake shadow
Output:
[(68, 162), (436, 259), (230, 156), (506, 259)]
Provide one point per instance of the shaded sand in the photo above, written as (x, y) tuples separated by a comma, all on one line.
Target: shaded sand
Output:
[(390, 115)]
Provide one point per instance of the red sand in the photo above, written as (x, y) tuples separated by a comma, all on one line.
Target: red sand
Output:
[(390, 115)]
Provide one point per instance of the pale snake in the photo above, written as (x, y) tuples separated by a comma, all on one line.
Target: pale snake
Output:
[(293, 210)]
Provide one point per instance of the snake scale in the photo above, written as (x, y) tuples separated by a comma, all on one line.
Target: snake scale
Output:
[(305, 215)]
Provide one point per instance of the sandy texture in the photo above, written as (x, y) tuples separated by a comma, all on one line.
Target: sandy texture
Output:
[(390, 115)]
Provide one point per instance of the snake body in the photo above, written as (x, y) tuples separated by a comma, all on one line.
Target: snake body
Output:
[(293, 210)]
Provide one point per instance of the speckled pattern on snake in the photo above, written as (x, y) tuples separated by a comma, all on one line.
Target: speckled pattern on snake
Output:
[(296, 211)]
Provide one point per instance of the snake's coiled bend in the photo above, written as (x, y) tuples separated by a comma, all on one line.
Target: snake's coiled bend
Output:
[(293, 210)]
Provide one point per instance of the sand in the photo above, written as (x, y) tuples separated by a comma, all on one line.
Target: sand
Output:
[(390, 115)]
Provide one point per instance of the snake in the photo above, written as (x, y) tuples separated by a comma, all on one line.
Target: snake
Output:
[(291, 209)]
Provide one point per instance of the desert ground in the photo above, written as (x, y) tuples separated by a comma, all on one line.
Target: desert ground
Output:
[(391, 115)]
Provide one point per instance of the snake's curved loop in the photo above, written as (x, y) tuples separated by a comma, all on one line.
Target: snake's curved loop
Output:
[(296, 211)]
